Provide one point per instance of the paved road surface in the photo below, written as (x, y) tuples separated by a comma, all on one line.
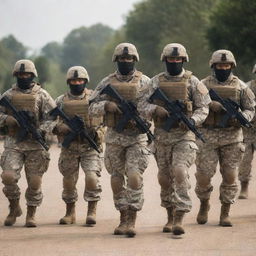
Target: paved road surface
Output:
[(76, 240)]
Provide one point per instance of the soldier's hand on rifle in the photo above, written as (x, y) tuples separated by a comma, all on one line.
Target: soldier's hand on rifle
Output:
[(11, 122), (62, 129), (183, 126), (112, 107), (161, 112), (12, 125), (234, 122), (215, 106)]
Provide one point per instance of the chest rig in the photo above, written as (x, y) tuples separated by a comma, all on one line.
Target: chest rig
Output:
[(129, 91), (231, 91), (27, 102), (80, 107), (176, 89)]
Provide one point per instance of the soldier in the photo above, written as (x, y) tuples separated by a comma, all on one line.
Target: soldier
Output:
[(28, 96), (224, 145), (126, 155), (245, 167), (79, 152), (176, 148)]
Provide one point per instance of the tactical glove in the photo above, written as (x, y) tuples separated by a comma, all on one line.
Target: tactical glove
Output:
[(215, 106), (112, 107), (161, 112)]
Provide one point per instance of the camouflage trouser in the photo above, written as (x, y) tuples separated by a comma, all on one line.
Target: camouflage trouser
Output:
[(126, 165), (35, 163), (69, 167), (173, 162), (229, 157), (245, 167)]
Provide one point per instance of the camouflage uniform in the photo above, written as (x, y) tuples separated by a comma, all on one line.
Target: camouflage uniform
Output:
[(176, 149), (27, 153), (79, 152), (223, 145), (126, 155), (245, 167)]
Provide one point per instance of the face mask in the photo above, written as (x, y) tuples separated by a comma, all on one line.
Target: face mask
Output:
[(174, 68), (222, 74), (77, 89), (24, 83), (125, 67)]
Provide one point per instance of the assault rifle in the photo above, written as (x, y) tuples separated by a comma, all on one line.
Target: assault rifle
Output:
[(24, 120), (77, 127), (129, 111), (176, 111), (232, 110)]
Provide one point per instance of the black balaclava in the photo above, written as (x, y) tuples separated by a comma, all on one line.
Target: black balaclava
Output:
[(222, 74), (125, 67), (24, 83), (174, 68), (77, 89)]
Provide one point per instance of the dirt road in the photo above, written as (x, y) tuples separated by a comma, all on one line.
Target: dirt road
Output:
[(77, 240)]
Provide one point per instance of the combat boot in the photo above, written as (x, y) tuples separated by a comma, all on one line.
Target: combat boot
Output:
[(202, 216), (177, 228), (121, 229), (91, 213), (168, 226), (15, 211), (130, 231), (70, 217), (30, 218), (224, 216), (244, 190)]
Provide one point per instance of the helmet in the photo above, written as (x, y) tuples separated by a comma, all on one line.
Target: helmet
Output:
[(77, 72), (125, 49), (254, 69), (222, 56), (174, 50), (24, 66)]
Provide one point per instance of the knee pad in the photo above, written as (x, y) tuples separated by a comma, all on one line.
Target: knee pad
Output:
[(117, 183), (164, 181), (68, 183), (8, 178), (91, 181), (134, 180), (35, 182), (202, 179), (229, 176), (180, 173)]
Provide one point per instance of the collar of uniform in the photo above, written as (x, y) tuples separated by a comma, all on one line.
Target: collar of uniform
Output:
[(181, 74), (76, 97), (231, 76), (29, 90), (126, 78)]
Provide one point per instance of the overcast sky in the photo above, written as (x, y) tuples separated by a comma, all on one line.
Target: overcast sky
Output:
[(37, 22)]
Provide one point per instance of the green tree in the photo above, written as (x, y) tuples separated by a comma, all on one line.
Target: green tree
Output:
[(151, 25), (83, 47), (53, 51), (232, 27), (17, 48), (42, 66)]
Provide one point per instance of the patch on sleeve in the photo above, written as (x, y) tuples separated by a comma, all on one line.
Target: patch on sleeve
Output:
[(202, 88)]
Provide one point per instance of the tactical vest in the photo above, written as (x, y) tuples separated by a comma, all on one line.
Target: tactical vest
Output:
[(231, 91), (27, 102), (174, 90), (129, 91), (80, 107)]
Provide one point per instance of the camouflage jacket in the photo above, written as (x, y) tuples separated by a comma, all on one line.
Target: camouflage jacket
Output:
[(44, 103), (199, 96), (97, 109)]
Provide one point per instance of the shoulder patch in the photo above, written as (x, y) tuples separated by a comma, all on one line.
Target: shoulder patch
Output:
[(202, 88)]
